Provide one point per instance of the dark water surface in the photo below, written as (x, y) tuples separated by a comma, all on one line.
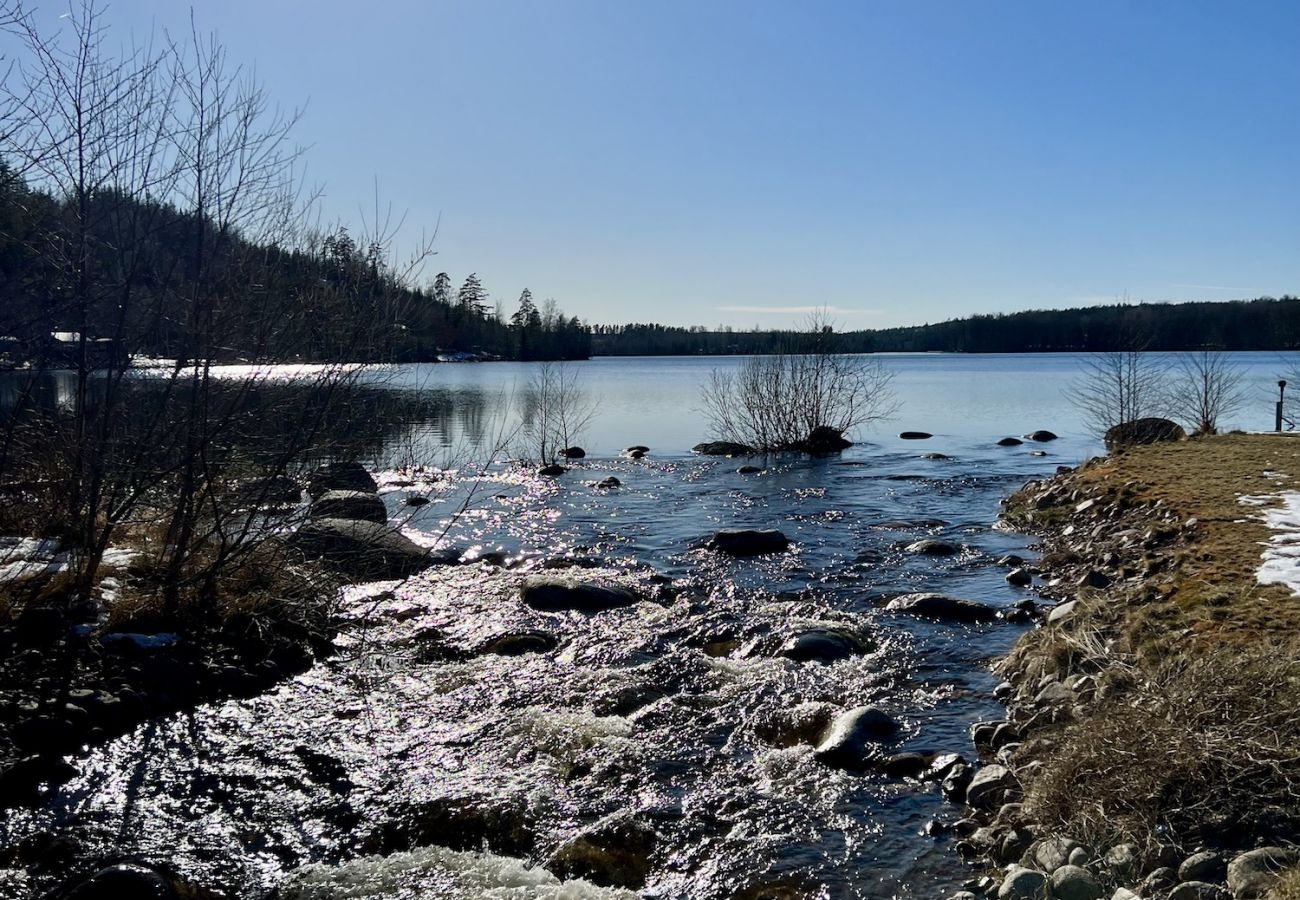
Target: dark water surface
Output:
[(342, 782)]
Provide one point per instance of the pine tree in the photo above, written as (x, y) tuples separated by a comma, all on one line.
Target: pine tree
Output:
[(472, 297), (442, 289)]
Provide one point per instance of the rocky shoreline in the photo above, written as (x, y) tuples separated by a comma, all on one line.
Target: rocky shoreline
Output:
[(1113, 549)]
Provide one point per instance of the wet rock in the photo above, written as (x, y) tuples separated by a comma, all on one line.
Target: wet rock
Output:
[(1019, 578), (935, 456), (573, 453), (930, 547), (989, 787), (1011, 560), (1037, 452), (128, 881), (416, 500), (956, 781), (21, 781), (1010, 442), (551, 470), (613, 853), (915, 435), (1023, 884), (749, 470), (1143, 431), (550, 594), (1199, 890), (504, 825), (359, 505), (1251, 874), (1042, 436), (1072, 882), (366, 550), (723, 448), (802, 724), (1204, 866), (824, 645), (749, 542), (608, 482), (942, 607), (636, 454), (853, 740), (521, 643), (824, 439), (340, 476), (636, 448), (904, 765)]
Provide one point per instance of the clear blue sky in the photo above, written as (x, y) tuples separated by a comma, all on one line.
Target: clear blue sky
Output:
[(705, 162)]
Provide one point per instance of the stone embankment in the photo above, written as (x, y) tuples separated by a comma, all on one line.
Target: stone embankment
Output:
[(1150, 748)]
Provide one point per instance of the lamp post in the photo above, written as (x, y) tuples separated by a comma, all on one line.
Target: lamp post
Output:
[(1281, 395)]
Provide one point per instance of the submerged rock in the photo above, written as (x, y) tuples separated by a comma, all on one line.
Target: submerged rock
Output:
[(1010, 442), (608, 482), (942, 606), (551, 470), (749, 470), (854, 738), (366, 550), (1152, 430), (935, 456), (521, 643), (824, 645), (802, 724), (613, 853), (340, 476), (360, 505), (723, 448), (417, 500), (749, 542), (915, 435), (550, 594), (1042, 436)]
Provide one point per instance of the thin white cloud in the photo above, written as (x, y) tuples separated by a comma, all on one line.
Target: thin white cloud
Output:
[(801, 310)]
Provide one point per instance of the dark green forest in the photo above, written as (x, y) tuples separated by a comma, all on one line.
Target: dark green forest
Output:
[(1261, 324), (164, 283)]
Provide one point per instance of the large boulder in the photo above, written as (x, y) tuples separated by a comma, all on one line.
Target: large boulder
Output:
[(854, 738), (350, 505), (824, 645), (1251, 874), (988, 788), (550, 594), (1143, 431), (749, 542), (340, 476), (1075, 883), (942, 607), (723, 448), (1023, 884), (366, 551)]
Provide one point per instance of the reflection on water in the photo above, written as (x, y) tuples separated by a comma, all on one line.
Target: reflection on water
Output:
[(393, 766)]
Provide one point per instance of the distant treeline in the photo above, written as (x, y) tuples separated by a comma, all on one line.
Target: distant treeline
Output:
[(162, 282), (1266, 323)]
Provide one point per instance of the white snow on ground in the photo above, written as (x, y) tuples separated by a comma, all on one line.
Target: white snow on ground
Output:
[(1281, 563), (22, 558)]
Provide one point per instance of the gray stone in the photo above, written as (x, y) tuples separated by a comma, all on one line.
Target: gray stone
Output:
[(1023, 884), (1159, 881), (749, 470), (366, 550), (723, 448), (1124, 861), (366, 507), (608, 482), (340, 476), (988, 788), (1019, 578), (852, 742), (943, 607), (931, 547), (1010, 442), (1042, 436), (824, 645), (1251, 874), (1124, 894), (1072, 882), (1050, 853), (1199, 890), (550, 594), (1055, 694), (1062, 612), (1204, 866)]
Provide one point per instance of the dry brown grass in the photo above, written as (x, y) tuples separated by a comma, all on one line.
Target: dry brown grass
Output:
[(1287, 887)]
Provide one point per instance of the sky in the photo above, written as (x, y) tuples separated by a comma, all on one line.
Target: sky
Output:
[(712, 162)]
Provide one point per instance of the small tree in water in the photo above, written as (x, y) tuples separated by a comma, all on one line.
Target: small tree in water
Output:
[(803, 397)]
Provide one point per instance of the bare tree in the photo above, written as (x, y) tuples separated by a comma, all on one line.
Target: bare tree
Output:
[(1203, 388), (777, 402), (1119, 386), (554, 409)]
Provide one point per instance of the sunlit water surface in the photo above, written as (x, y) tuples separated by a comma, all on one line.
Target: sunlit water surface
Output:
[(341, 782)]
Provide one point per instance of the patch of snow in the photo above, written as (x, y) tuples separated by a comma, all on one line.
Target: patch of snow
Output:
[(1281, 557)]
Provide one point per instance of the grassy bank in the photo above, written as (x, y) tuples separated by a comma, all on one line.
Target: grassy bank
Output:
[(1156, 715)]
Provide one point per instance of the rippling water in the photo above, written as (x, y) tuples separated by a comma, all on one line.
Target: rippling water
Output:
[(413, 764)]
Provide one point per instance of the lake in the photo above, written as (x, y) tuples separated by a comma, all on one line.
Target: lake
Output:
[(412, 764)]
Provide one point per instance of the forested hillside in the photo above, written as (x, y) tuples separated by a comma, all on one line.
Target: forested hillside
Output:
[(1262, 324)]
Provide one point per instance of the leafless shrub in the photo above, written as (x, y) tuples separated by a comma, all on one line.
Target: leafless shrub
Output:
[(1207, 742), (1203, 389), (1118, 386), (775, 402), (554, 409)]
